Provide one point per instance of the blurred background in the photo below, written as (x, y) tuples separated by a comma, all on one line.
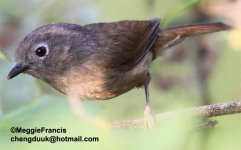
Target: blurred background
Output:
[(201, 70)]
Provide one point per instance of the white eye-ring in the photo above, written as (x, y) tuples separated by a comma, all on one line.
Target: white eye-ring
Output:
[(42, 50)]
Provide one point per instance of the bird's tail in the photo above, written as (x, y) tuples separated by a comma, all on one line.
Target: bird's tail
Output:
[(174, 35)]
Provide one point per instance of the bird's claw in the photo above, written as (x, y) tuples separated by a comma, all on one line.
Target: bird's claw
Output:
[(148, 118)]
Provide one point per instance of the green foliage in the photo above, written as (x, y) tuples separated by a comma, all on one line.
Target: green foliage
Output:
[(16, 93), (25, 102), (178, 10), (3, 57)]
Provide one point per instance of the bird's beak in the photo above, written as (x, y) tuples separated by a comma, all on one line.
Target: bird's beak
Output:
[(19, 68)]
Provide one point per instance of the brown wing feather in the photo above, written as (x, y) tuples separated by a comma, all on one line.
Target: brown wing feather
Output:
[(124, 43)]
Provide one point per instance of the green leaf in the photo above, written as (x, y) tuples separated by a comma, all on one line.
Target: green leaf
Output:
[(2, 56), (18, 92), (177, 11)]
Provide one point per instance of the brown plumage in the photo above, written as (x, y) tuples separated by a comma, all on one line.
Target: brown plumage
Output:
[(102, 60)]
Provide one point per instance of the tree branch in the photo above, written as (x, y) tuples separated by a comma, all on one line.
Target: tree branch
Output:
[(207, 111)]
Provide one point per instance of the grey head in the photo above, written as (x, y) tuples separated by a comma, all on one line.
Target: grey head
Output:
[(48, 51)]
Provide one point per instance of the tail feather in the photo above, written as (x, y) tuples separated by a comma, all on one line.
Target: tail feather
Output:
[(174, 35), (197, 29)]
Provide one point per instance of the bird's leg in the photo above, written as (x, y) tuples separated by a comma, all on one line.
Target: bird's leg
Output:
[(148, 118)]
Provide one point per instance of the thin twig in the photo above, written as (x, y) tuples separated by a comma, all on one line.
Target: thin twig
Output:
[(207, 111)]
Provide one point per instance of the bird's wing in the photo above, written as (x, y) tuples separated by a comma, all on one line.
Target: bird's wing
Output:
[(124, 44)]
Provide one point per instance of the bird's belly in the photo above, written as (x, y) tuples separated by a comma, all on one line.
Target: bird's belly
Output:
[(98, 87), (92, 91), (88, 87), (102, 84)]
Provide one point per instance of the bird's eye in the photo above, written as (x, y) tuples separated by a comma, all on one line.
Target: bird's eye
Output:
[(41, 51)]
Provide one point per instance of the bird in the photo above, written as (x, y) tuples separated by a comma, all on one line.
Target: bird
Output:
[(100, 61)]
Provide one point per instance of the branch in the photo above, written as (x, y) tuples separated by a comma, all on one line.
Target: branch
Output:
[(207, 111)]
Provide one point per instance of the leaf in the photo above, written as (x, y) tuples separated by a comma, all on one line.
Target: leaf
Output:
[(17, 92), (177, 11), (234, 39), (3, 56)]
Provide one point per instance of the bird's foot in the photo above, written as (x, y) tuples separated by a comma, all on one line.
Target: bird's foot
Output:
[(148, 118)]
